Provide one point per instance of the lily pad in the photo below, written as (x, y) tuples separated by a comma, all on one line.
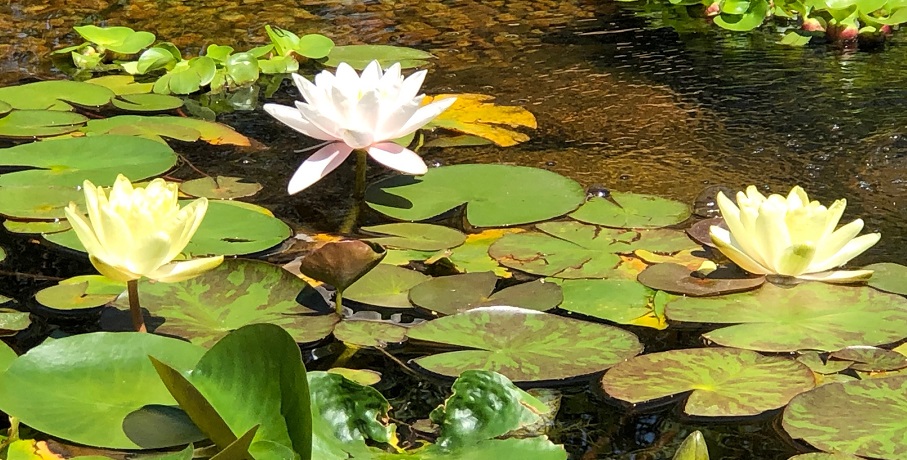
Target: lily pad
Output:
[(449, 295), (55, 95), (238, 292), (871, 359), (154, 127), (220, 188), (821, 365), (365, 377), (632, 210), (80, 293), (385, 286), (374, 334), (147, 102), (82, 388), (117, 39), (620, 301), (556, 348), (121, 85), (679, 279), (421, 237), (69, 162), (811, 316), (12, 321), (359, 56), (723, 382), (476, 115), (35, 226), (888, 277), (863, 417), (38, 202), (494, 195), (5, 108), (29, 124)]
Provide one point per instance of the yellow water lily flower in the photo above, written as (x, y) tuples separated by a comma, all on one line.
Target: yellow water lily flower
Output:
[(138, 231), (790, 236)]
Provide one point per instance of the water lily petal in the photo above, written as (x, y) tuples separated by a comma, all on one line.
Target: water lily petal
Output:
[(322, 162), (186, 223), (740, 234), (722, 239), (183, 270), (397, 157), (850, 250), (795, 259), (411, 86), (115, 273), (149, 254), (291, 117), (771, 238), (321, 120), (83, 230), (835, 211), (310, 92), (838, 276)]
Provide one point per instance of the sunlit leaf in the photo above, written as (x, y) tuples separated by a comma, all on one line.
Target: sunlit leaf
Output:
[(220, 187), (448, 295), (374, 334), (30, 124), (385, 286), (358, 56), (632, 210), (55, 95), (474, 114), (421, 237)]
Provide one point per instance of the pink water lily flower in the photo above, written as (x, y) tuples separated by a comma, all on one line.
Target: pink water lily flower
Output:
[(358, 112)]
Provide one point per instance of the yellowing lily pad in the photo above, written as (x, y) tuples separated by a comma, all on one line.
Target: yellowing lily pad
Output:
[(29, 124), (632, 210), (723, 382), (420, 237), (121, 85), (448, 295), (385, 286), (474, 114), (811, 316), (494, 195), (524, 345), (220, 188)]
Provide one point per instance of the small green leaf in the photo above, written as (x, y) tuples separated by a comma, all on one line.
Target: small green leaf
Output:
[(117, 39)]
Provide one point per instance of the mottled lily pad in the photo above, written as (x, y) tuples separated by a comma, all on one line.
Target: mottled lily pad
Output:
[(55, 95), (12, 321), (871, 359), (80, 293), (38, 201), (821, 365), (864, 417), (68, 162), (888, 277), (494, 195), (29, 124), (220, 188), (239, 292), (374, 334), (632, 210), (811, 316), (420, 237), (385, 286), (679, 279), (121, 85), (724, 382), (500, 340), (620, 301), (448, 295)]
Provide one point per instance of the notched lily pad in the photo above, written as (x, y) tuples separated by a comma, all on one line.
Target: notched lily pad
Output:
[(620, 301), (55, 95), (220, 188), (723, 382), (820, 365), (558, 348), (888, 277), (374, 334), (632, 210), (449, 295), (385, 286), (80, 293), (871, 359), (420, 237), (679, 279), (29, 124)]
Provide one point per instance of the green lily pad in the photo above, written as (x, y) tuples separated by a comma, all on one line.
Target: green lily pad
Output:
[(121, 85), (69, 162), (237, 293), (556, 348), (385, 286), (494, 195), (678, 279), (220, 188), (472, 256), (723, 382), (117, 39), (448, 295), (374, 334), (421, 237), (147, 102), (80, 293), (33, 226), (365, 377), (864, 417), (359, 56), (29, 124), (38, 201), (819, 365), (82, 388), (187, 76), (871, 359), (5, 108), (620, 301), (55, 95), (12, 321), (632, 210), (888, 277), (154, 127), (403, 257), (229, 228), (811, 316)]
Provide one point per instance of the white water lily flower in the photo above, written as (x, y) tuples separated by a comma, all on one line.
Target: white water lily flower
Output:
[(790, 236), (356, 112), (138, 232)]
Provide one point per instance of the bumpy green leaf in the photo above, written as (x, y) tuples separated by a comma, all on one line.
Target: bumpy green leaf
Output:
[(494, 195), (888, 277), (28, 124), (81, 388), (631, 210), (187, 76), (724, 382), (358, 56), (345, 414), (811, 316), (237, 293), (865, 417), (557, 347), (448, 295), (421, 237)]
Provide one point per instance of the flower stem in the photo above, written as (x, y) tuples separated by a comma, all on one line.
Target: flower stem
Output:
[(338, 302), (138, 320), (352, 217)]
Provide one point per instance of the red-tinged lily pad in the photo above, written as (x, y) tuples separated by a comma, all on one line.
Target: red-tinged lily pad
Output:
[(524, 345), (29, 124), (679, 279), (888, 277), (871, 359), (238, 292), (620, 301), (494, 195), (448, 295), (701, 231), (220, 188), (723, 382), (864, 417), (376, 334), (810, 316), (420, 237), (385, 286), (632, 210)]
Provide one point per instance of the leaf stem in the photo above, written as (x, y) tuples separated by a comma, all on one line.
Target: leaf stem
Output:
[(352, 217), (138, 320), (338, 302)]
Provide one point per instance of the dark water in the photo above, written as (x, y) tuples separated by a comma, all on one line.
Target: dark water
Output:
[(620, 102)]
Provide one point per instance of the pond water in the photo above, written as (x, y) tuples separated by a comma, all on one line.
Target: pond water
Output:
[(621, 102)]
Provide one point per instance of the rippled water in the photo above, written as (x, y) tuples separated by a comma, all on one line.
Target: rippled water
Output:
[(620, 102)]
